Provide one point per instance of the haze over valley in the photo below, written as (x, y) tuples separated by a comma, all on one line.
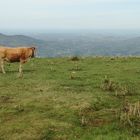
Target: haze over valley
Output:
[(77, 43)]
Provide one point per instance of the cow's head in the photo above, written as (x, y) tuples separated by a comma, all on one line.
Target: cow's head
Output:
[(33, 52)]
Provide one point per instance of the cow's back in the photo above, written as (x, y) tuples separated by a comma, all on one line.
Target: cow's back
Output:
[(2, 52), (10, 54), (15, 54)]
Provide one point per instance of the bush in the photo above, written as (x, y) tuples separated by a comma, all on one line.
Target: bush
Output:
[(75, 58)]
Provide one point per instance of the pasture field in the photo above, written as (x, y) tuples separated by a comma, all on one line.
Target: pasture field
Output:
[(60, 99)]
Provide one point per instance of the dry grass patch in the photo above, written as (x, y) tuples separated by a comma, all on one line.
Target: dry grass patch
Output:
[(108, 85), (130, 114), (116, 88)]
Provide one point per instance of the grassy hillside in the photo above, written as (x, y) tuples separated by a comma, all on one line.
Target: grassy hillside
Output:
[(60, 99)]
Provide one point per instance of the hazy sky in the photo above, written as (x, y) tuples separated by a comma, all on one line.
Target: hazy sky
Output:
[(69, 14)]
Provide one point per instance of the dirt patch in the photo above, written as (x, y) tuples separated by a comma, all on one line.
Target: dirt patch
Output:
[(6, 99), (97, 122)]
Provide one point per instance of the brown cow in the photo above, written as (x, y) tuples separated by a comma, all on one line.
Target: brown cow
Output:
[(20, 54)]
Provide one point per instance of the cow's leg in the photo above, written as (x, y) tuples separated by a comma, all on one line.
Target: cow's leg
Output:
[(20, 70), (2, 65)]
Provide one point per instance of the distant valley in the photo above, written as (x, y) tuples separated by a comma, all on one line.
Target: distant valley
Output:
[(70, 44)]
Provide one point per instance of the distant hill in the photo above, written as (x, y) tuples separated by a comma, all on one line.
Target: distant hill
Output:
[(17, 40), (56, 45), (22, 40)]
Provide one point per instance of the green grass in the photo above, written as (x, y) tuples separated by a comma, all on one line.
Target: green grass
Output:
[(46, 104)]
